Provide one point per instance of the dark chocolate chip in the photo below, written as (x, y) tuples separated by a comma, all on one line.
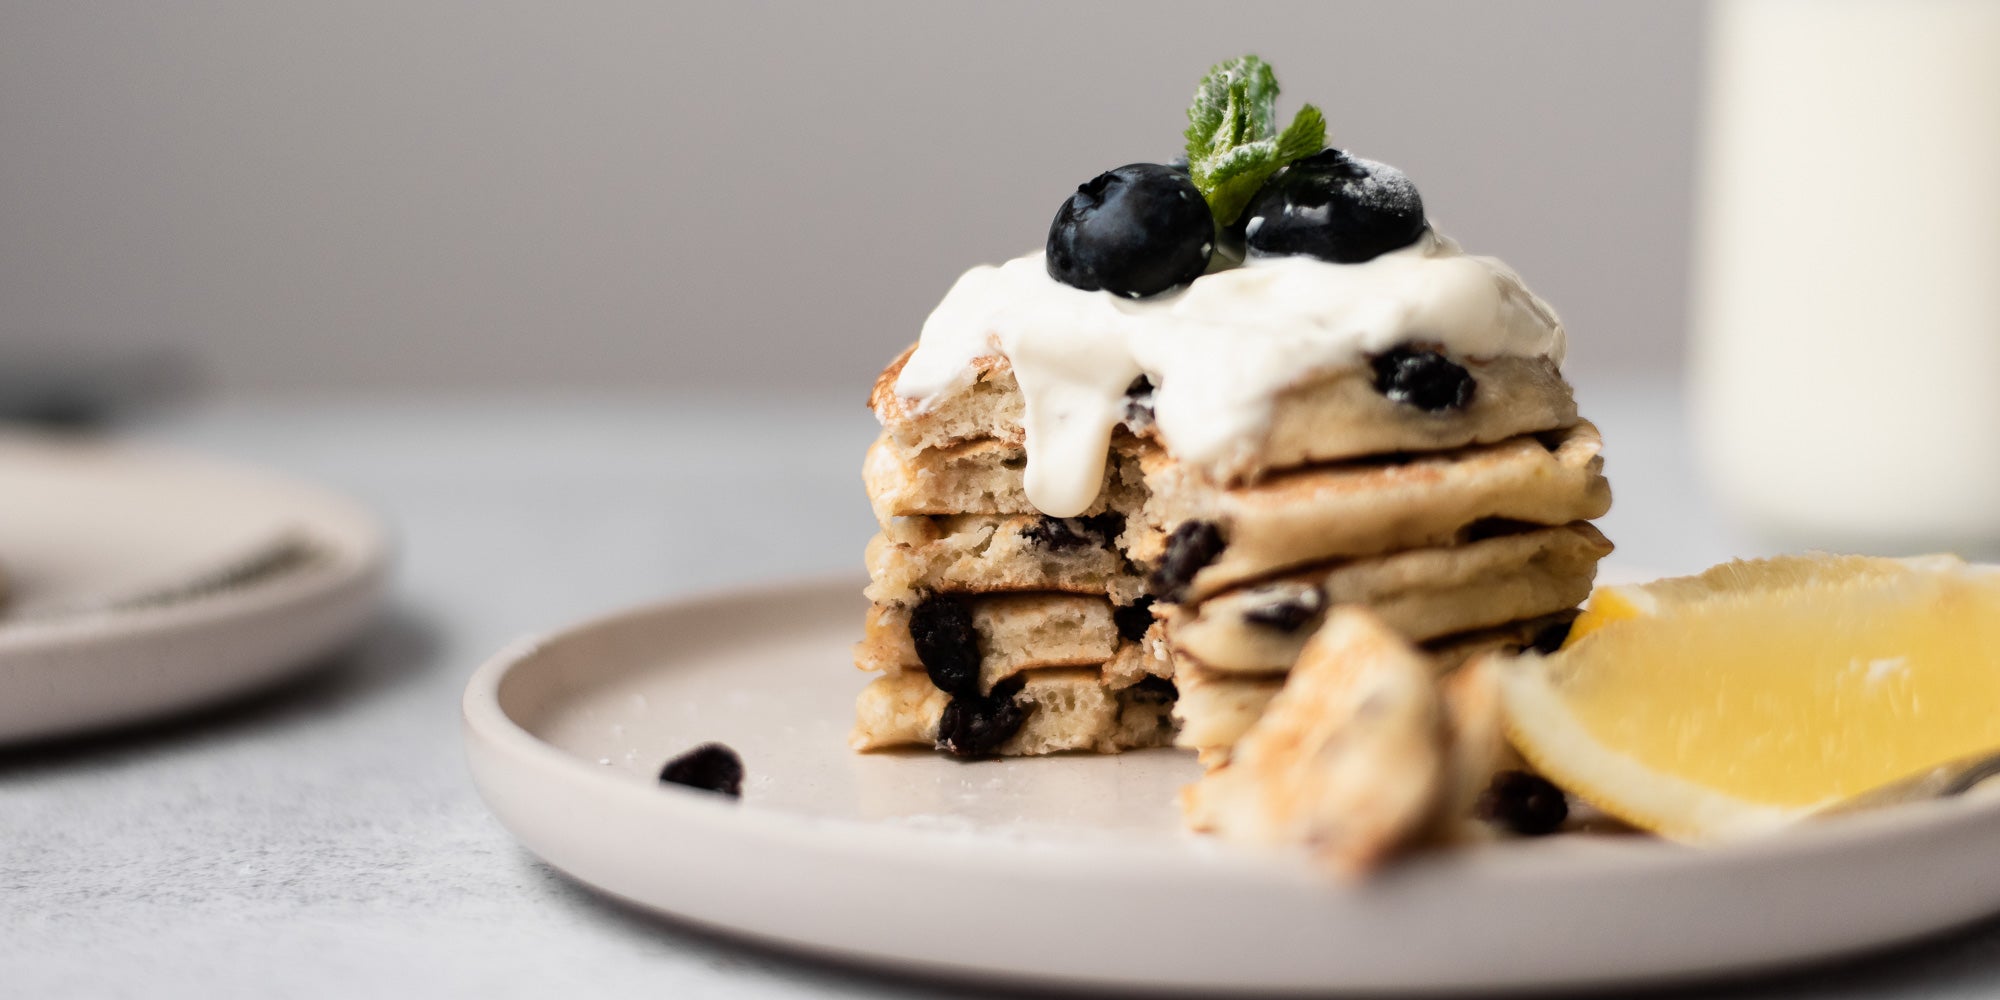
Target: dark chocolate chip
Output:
[(1286, 612), (1551, 637), (710, 767), (1423, 379), (1192, 545), (941, 629), (1134, 619), (1152, 690), (975, 725), (1527, 804)]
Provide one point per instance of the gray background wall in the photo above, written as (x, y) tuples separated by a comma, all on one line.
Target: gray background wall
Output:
[(628, 194)]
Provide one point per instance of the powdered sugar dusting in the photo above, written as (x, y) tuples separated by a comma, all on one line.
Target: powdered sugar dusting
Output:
[(1383, 187)]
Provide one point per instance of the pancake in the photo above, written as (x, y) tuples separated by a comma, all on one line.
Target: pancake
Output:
[(1312, 515), (981, 476), (1360, 754), (1348, 760), (984, 553), (1421, 593), (1463, 530), (1012, 633), (1216, 708), (1334, 416), (1062, 709), (1288, 521)]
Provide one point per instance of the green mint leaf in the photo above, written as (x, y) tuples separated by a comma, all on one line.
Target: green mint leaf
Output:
[(1233, 145), (1305, 136), (1235, 104), (1230, 179)]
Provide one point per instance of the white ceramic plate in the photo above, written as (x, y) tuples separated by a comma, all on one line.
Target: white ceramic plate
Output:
[(89, 523), (1072, 870)]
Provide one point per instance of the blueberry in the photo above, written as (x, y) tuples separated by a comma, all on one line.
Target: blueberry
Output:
[(710, 767), (1151, 690), (1551, 638), (1527, 804), (1055, 534), (975, 725), (1058, 534), (1139, 404), (1134, 619), (1335, 207), (941, 629), (1106, 526), (1423, 379), (1192, 545), (1286, 609), (1137, 230)]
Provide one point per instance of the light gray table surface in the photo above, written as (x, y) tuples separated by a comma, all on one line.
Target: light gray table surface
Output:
[(323, 839)]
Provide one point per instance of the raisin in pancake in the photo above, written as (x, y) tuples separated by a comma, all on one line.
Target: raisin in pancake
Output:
[(1349, 759), (973, 477), (1307, 516), (1216, 707), (1002, 635), (1338, 415), (1421, 593), (982, 553), (1047, 711)]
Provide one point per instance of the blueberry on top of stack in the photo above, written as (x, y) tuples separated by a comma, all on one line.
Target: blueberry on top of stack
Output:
[(1147, 228), (1121, 482), (1137, 230)]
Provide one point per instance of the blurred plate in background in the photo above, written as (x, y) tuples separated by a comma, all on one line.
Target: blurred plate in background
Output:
[(141, 582)]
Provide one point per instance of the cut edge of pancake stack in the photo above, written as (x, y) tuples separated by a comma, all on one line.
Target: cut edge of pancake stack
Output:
[(996, 629), (1453, 502)]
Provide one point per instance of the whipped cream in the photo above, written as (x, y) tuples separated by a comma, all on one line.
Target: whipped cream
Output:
[(1218, 351)]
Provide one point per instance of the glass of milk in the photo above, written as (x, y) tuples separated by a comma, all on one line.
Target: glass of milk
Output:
[(1846, 349)]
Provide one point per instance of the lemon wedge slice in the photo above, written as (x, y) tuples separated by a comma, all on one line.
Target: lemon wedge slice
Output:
[(1624, 602), (1755, 694)]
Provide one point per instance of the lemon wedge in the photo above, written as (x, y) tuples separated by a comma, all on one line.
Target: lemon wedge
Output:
[(1758, 693), (1624, 602)]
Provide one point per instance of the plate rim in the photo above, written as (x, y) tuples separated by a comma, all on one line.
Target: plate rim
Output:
[(484, 717), (511, 766)]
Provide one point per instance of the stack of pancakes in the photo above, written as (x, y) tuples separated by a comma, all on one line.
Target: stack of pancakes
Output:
[(1172, 608)]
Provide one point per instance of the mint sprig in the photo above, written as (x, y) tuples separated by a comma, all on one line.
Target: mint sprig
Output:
[(1233, 143)]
